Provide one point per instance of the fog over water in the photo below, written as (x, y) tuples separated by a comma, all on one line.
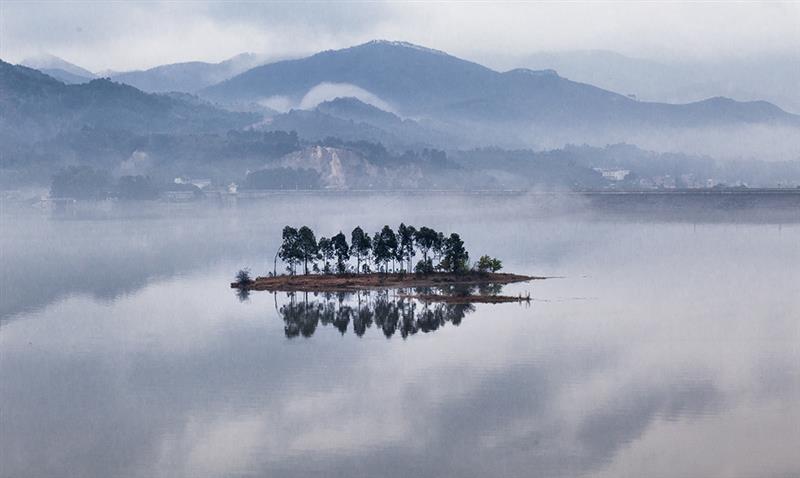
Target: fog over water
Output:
[(664, 345)]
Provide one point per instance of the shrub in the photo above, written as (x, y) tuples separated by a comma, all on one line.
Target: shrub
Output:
[(243, 277), (424, 266), (488, 264)]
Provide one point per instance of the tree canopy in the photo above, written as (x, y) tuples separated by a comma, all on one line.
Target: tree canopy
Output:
[(439, 252)]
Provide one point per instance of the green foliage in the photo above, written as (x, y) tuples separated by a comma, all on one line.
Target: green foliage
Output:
[(243, 277), (455, 257), (341, 251), (405, 249), (488, 264), (300, 246), (290, 248), (380, 250), (424, 266), (326, 252), (307, 245), (425, 238), (360, 245), (389, 240)]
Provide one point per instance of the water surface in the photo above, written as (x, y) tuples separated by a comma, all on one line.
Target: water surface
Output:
[(665, 348)]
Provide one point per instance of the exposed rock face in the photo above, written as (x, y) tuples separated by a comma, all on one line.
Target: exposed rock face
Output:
[(338, 168)]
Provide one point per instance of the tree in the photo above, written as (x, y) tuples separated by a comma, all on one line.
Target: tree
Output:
[(425, 239), (341, 250), (424, 266), (326, 252), (488, 264), (405, 250), (290, 249), (360, 245), (389, 240), (455, 256), (380, 250), (384, 247), (308, 248), (438, 246), (243, 277)]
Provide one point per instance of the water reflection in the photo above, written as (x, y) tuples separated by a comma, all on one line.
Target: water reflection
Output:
[(130, 357), (391, 312)]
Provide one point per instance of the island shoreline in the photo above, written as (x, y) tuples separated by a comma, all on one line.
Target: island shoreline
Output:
[(372, 281)]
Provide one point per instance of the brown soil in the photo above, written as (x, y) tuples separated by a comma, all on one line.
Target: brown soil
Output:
[(354, 282)]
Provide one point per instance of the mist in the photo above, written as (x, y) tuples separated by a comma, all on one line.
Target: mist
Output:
[(399, 239)]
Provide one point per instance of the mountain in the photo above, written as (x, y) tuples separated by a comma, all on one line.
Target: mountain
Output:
[(187, 77), (351, 119), (417, 81), (771, 78), (59, 69), (520, 108), (353, 109), (34, 106)]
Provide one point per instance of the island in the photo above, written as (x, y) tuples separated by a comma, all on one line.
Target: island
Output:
[(384, 261)]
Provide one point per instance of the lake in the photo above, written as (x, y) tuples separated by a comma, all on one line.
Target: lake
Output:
[(665, 344)]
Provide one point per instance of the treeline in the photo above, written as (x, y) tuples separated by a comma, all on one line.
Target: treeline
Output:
[(383, 251), (84, 182)]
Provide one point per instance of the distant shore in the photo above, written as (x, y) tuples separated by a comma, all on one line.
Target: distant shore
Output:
[(355, 282)]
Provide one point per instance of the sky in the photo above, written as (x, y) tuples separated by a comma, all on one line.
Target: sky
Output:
[(118, 35)]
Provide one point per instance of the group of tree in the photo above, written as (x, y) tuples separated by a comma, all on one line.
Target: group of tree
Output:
[(87, 183), (383, 251)]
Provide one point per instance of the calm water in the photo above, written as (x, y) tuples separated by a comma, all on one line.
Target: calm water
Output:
[(663, 348)]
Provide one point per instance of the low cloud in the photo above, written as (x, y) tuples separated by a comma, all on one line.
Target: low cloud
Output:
[(329, 91)]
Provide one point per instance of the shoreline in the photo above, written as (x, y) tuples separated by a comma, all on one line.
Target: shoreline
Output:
[(468, 299), (392, 280)]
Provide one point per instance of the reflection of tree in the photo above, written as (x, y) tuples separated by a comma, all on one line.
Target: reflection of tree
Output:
[(387, 313)]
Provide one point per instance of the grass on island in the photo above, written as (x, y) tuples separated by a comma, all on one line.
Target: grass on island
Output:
[(397, 280)]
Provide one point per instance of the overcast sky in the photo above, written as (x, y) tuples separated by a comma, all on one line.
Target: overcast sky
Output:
[(128, 35)]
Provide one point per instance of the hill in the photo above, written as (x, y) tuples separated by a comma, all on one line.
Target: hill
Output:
[(35, 106), (59, 68), (188, 77), (418, 81)]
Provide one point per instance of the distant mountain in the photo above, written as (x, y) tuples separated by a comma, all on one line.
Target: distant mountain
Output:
[(351, 119), (59, 69), (34, 106), (65, 76), (420, 82), (770, 78), (356, 110), (187, 77)]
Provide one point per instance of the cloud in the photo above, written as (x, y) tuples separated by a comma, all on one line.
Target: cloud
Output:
[(128, 35), (329, 91)]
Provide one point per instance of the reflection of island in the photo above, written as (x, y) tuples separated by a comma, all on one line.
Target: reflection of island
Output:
[(389, 313), (354, 282)]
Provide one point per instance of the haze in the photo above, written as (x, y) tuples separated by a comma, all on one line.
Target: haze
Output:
[(135, 35)]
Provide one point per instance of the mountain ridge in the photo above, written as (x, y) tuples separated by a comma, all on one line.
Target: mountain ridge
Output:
[(418, 81)]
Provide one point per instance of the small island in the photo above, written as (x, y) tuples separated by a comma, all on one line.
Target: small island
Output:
[(382, 261)]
